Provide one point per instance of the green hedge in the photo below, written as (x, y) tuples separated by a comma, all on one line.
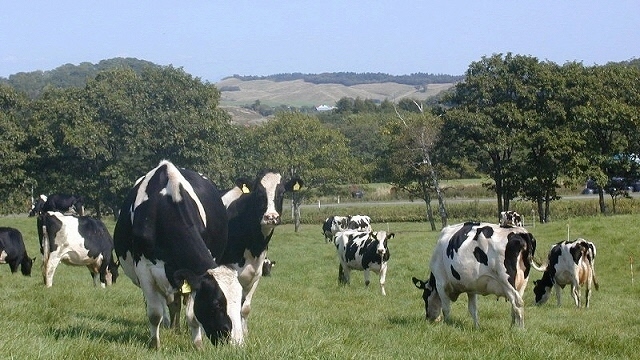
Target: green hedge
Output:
[(463, 211)]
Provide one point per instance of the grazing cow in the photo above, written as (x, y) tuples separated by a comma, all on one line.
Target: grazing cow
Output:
[(161, 237), (254, 211), (359, 223), (510, 218), (363, 250), (478, 258), (333, 225), (267, 266), (569, 263), (79, 241), (58, 202), (13, 252)]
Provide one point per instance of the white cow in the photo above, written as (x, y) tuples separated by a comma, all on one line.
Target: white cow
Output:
[(510, 218), (363, 250), (478, 258), (569, 263)]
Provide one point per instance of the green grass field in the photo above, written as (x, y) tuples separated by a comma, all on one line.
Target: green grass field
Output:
[(301, 312)]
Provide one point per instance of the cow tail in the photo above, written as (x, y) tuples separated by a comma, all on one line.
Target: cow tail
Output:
[(593, 273), (45, 252)]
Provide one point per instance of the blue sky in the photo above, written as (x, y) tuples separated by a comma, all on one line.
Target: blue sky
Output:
[(213, 39)]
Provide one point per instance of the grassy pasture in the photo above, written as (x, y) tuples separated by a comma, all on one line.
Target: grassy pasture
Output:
[(301, 312)]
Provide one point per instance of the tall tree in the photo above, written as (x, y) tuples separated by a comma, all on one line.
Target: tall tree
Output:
[(412, 138), (14, 181)]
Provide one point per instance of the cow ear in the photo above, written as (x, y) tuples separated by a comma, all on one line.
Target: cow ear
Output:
[(293, 185), (185, 275), (390, 236), (418, 283)]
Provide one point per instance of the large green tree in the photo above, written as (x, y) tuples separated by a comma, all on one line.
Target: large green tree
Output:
[(14, 181)]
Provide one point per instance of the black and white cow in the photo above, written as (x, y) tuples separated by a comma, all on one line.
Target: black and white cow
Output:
[(510, 218), (13, 251), (58, 202), (333, 225), (267, 266), (363, 250), (79, 241), (161, 238), (478, 258), (568, 263), (359, 223), (254, 211)]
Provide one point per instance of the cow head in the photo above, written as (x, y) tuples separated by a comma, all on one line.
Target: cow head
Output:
[(266, 194), (210, 305), (26, 265), (432, 302), (382, 237), (36, 207)]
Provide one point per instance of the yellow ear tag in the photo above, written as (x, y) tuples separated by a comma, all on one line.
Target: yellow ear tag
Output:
[(245, 189), (296, 187), (185, 289)]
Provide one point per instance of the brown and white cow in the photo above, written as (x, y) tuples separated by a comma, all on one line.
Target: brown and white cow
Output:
[(363, 250), (568, 263), (478, 259)]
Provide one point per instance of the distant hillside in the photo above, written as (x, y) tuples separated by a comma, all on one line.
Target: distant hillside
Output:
[(300, 93), (352, 78)]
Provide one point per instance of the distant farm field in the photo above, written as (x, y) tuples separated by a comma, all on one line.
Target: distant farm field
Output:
[(301, 312)]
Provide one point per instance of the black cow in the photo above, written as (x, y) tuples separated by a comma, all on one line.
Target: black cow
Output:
[(13, 252), (161, 238), (79, 241), (58, 202)]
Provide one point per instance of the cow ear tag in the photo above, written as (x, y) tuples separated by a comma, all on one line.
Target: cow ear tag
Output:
[(185, 289), (296, 186), (245, 189)]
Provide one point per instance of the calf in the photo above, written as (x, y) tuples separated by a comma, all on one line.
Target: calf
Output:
[(13, 251), (569, 263), (510, 218), (478, 258), (363, 250), (161, 237), (76, 240), (333, 225), (359, 223)]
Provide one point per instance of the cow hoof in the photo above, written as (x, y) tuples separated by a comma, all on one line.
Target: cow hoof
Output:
[(154, 343), (198, 345)]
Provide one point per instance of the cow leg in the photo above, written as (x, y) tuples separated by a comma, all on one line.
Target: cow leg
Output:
[(517, 309), (50, 268), (472, 306), (192, 322), (558, 290), (367, 277), (246, 307), (155, 310), (575, 294), (174, 310), (341, 277), (383, 277)]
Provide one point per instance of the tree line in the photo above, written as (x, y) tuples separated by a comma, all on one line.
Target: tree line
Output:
[(527, 125)]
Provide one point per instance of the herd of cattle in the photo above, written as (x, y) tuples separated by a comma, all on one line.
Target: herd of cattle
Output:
[(182, 240)]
